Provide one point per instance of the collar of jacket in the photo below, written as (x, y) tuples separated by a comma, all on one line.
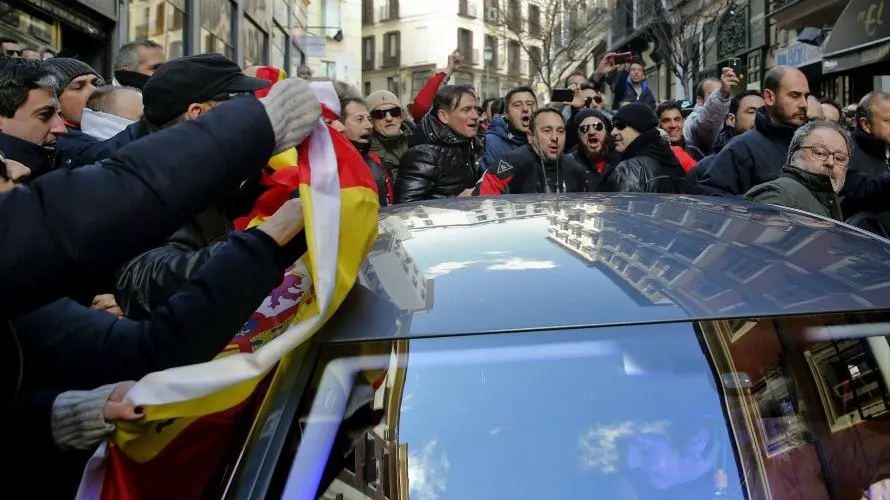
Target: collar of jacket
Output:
[(653, 145), (871, 144), (38, 158), (766, 126), (437, 132), (815, 183), (404, 132)]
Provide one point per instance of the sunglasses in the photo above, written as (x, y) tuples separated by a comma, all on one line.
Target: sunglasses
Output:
[(225, 96), (379, 114), (597, 99), (598, 126), (11, 52)]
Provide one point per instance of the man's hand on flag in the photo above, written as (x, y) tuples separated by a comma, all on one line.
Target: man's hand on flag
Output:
[(285, 223), (119, 408), (293, 110)]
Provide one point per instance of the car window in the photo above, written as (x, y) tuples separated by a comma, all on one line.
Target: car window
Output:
[(753, 408)]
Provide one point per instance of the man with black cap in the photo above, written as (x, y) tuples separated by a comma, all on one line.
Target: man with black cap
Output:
[(647, 163), (593, 129), (179, 91)]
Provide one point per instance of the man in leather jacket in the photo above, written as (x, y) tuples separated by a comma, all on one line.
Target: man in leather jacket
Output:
[(540, 167), (442, 161), (357, 128), (647, 163)]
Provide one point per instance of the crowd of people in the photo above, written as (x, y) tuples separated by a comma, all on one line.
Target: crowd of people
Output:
[(120, 199)]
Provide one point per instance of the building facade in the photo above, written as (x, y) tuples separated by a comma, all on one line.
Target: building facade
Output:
[(247, 31), (403, 45), (335, 31)]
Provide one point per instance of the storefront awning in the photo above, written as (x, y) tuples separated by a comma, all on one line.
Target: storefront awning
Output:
[(860, 36)]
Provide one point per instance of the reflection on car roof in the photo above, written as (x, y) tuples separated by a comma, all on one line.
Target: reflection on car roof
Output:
[(522, 262)]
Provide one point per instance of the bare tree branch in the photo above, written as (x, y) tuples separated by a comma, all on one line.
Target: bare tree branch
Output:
[(557, 37), (687, 33)]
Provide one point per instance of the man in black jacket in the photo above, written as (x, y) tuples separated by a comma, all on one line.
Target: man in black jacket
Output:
[(871, 147), (758, 155), (182, 90), (540, 167), (647, 163), (357, 125), (442, 161), (30, 123), (71, 223)]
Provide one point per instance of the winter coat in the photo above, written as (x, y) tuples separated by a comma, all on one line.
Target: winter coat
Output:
[(391, 149), (701, 127), (500, 139), (647, 166), (441, 166), (800, 189), (522, 171), (755, 157)]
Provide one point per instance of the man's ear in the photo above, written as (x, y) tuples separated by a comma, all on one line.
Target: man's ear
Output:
[(769, 97), (863, 124), (730, 120), (194, 110), (442, 116)]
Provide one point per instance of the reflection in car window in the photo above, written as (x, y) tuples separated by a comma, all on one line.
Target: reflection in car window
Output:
[(758, 408)]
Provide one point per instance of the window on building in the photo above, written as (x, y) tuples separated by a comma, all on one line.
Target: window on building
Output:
[(216, 27), (534, 20), (331, 17), (254, 45), (392, 85), (367, 88), (392, 56), (279, 12), (367, 12), (166, 20), (329, 69), (418, 80), (279, 46), (368, 53), (258, 10)]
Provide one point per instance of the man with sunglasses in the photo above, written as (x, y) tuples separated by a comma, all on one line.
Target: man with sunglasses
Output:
[(595, 149), (182, 90), (389, 139)]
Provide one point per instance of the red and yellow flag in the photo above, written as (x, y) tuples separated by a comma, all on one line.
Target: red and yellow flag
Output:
[(195, 415)]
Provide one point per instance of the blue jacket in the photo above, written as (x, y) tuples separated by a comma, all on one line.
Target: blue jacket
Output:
[(500, 139), (77, 148)]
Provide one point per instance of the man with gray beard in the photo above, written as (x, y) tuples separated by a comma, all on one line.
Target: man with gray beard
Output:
[(815, 173)]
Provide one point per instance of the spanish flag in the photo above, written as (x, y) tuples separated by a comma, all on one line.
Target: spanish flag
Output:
[(195, 415)]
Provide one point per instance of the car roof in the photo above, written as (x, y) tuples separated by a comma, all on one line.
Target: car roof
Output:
[(482, 264)]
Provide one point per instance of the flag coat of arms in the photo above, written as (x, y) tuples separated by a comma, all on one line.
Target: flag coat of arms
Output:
[(190, 411)]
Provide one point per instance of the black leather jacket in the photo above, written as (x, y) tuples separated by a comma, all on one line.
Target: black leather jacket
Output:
[(443, 165), (648, 166)]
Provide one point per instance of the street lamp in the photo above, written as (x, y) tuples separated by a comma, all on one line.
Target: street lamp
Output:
[(488, 54)]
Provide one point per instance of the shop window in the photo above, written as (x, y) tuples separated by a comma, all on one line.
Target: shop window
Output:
[(418, 80), (161, 22), (30, 30), (216, 27), (254, 45), (258, 10)]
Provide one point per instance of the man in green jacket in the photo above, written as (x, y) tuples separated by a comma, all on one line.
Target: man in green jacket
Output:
[(815, 171)]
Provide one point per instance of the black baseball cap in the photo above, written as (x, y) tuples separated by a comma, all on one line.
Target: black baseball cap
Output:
[(198, 78)]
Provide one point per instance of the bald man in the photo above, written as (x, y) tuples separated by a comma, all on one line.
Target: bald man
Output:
[(814, 109), (757, 156)]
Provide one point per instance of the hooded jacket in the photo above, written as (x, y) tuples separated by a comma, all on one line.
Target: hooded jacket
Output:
[(752, 158), (442, 165), (648, 165), (500, 139)]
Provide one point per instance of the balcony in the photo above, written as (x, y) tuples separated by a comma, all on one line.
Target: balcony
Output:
[(467, 9), (471, 56), (801, 13)]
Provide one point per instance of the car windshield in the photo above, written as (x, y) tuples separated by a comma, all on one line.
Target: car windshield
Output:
[(791, 407)]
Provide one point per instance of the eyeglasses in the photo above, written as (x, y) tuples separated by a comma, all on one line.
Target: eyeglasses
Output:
[(379, 114), (821, 154), (598, 126), (225, 96)]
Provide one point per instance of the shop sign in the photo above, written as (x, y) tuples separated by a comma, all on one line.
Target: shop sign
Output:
[(871, 55), (799, 55), (107, 8)]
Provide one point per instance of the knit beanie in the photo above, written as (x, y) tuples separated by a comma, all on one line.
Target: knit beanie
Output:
[(68, 69), (638, 116), (380, 98), (586, 113)]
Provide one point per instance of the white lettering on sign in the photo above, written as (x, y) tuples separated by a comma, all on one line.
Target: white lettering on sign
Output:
[(876, 54), (871, 16), (830, 63)]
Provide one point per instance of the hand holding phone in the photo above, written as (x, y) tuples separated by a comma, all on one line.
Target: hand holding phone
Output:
[(561, 95), (735, 64), (623, 58)]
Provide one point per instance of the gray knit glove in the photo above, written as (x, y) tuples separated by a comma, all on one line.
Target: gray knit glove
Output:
[(293, 111), (77, 420)]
